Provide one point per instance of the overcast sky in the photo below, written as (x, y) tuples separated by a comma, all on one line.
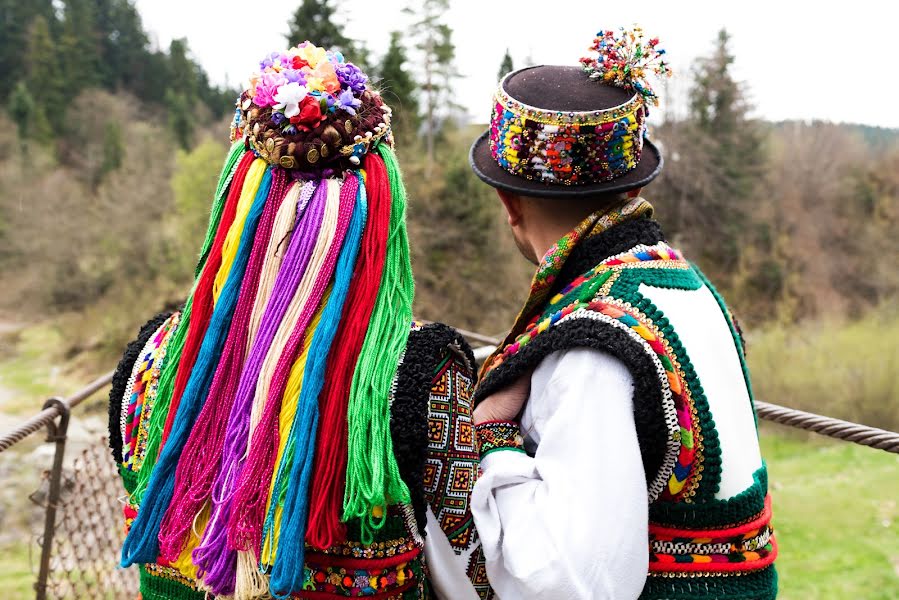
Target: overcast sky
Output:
[(799, 59)]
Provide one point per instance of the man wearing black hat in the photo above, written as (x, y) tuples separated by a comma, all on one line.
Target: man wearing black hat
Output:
[(618, 410)]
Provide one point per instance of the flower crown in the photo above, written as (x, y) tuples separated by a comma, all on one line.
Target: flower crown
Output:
[(625, 61), (310, 111)]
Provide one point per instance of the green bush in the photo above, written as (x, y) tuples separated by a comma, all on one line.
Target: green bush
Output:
[(845, 370)]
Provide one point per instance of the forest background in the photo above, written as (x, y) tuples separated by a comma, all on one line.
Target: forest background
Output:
[(109, 152)]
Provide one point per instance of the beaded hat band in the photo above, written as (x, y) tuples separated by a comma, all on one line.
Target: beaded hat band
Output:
[(569, 148), (575, 131)]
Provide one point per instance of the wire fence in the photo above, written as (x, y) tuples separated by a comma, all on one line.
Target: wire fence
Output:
[(88, 531), (81, 504)]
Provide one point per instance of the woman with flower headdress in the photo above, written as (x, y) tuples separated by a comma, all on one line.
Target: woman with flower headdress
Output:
[(290, 431), (619, 450)]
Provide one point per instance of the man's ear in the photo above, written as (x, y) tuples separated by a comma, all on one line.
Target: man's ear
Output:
[(634, 193), (512, 204)]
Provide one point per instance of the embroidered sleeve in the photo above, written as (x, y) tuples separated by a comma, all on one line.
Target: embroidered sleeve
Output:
[(498, 435)]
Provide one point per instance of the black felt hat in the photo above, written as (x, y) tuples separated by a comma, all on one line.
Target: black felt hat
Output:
[(562, 89)]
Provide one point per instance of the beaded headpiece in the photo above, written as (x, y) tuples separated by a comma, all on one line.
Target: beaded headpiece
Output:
[(309, 111), (581, 147)]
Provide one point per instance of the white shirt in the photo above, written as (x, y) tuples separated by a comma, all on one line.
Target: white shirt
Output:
[(568, 520)]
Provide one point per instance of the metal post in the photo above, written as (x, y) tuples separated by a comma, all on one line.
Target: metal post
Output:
[(55, 433)]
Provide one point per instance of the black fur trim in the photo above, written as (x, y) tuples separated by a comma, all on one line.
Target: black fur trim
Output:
[(120, 381), (595, 249), (649, 417), (409, 412)]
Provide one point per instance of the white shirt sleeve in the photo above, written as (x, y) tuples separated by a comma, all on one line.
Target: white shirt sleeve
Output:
[(571, 521)]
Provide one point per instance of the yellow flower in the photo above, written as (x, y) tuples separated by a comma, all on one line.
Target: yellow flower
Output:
[(312, 54), (328, 76)]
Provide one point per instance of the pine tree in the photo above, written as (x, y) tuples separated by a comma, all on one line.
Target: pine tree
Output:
[(506, 66), (719, 109), (43, 78), (398, 87), (435, 46), (79, 46), (126, 46), (16, 18), (313, 20)]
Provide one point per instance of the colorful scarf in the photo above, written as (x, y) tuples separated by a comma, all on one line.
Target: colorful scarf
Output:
[(555, 258)]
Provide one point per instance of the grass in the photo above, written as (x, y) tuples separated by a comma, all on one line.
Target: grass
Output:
[(836, 514), (16, 579)]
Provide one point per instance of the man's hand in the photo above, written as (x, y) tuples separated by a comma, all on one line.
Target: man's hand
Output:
[(506, 404)]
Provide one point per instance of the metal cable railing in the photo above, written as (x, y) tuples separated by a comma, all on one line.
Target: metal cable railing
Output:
[(52, 409), (839, 429)]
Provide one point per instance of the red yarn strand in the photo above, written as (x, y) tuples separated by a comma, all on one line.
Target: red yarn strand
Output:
[(326, 498)]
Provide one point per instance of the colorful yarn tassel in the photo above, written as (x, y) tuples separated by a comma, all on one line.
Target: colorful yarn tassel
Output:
[(373, 480), (238, 149), (195, 475), (142, 544), (205, 290), (326, 499), (172, 361), (287, 573), (246, 523), (216, 561)]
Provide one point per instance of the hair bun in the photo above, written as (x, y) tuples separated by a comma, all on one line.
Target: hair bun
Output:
[(309, 111)]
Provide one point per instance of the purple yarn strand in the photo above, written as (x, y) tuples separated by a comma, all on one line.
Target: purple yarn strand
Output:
[(217, 562)]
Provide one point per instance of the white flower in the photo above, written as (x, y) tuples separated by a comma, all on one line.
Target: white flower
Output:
[(289, 97)]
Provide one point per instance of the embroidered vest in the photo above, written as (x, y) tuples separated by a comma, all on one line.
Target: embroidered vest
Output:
[(431, 390), (709, 532)]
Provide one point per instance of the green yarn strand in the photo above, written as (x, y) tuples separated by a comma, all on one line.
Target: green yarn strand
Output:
[(373, 476), (218, 202)]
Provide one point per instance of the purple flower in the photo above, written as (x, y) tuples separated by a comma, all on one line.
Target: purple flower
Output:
[(269, 60), (348, 102), (278, 118), (294, 76), (352, 77)]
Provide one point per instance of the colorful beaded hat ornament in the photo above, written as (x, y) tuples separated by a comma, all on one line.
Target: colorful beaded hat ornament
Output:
[(309, 110), (577, 147), (626, 60)]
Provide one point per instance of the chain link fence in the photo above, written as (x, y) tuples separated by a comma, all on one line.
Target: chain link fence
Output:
[(89, 530)]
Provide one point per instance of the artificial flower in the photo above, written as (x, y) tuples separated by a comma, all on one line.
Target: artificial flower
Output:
[(310, 114), (325, 71), (294, 76), (289, 97), (267, 87), (312, 55), (348, 102), (352, 77)]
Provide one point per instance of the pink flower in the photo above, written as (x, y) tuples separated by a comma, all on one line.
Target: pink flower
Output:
[(267, 87)]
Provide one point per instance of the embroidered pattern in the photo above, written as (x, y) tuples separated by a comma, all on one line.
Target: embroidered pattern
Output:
[(744, 547), (578, 293), (554, 259), (361, 580), (451, 466), (499, 435)]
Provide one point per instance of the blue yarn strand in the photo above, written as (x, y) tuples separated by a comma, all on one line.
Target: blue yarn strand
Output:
[(287, 573), (142, 543)]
